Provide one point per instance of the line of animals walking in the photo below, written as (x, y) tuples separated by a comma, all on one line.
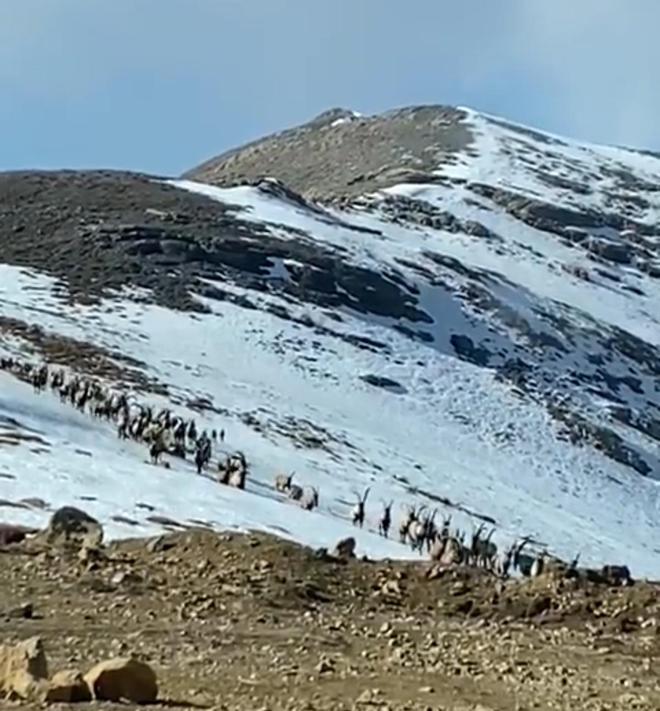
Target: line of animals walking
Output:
[(163, 432), (166, 433), (418, 529)]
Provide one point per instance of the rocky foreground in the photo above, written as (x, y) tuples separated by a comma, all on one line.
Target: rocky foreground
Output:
[(250, 622)]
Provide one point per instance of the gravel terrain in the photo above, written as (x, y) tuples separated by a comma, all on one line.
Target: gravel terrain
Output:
[(249, 622)]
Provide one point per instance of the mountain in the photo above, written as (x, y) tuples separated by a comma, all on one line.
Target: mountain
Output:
[(444, 306)]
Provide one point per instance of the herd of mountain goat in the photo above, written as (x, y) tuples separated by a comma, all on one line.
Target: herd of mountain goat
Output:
[(165, 433)]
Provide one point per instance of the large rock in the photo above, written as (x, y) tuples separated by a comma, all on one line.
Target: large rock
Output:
[(68, 686), (123, 678), (611, 251), (617, 574), (9, 533), (23, 669), (71, 525), (380, 381), (26, 688), (345, 548)]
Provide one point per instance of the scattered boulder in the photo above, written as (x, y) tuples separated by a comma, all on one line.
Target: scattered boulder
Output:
[(68, 686), (321, 554), (20, 612), (466, 349), (90, 555), (345, 548), (26, 688), (10, 534), (23, 669), (160, 544), (123, 678), (616, 575), (126, 578), (71, 525), (35, 503), (380, 381), (611, 251), (325, 666)]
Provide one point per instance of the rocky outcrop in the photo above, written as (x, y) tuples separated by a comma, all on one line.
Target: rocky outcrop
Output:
[(579, 430), (23, 669), (584, 228), (380, 381), (69, 525), (401, 209), (466, 349), (24, 677)]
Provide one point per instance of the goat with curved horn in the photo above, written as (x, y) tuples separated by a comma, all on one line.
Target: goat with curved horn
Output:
[(385, 520), (357, 513)]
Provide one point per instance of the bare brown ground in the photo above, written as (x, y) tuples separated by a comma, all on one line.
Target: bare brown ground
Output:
[(251, 622)]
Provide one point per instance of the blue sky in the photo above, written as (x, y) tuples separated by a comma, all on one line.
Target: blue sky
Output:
[(160, 85)]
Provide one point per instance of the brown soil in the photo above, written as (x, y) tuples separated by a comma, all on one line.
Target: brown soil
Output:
[(250, 622)]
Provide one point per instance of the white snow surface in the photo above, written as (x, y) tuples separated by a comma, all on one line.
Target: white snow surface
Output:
[(453, 429), (516, 157)]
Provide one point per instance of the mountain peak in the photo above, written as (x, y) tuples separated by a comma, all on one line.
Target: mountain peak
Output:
[(332, 115), (340, 152)]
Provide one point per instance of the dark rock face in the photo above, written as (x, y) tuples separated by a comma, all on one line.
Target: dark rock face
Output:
[(69, 524), (616, 253), (577, 227), (465, 348), (580, 430), (410, 211), (100, 231), (380, 381)]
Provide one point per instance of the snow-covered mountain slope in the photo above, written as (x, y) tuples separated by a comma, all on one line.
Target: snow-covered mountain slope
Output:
[(486, 334)]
